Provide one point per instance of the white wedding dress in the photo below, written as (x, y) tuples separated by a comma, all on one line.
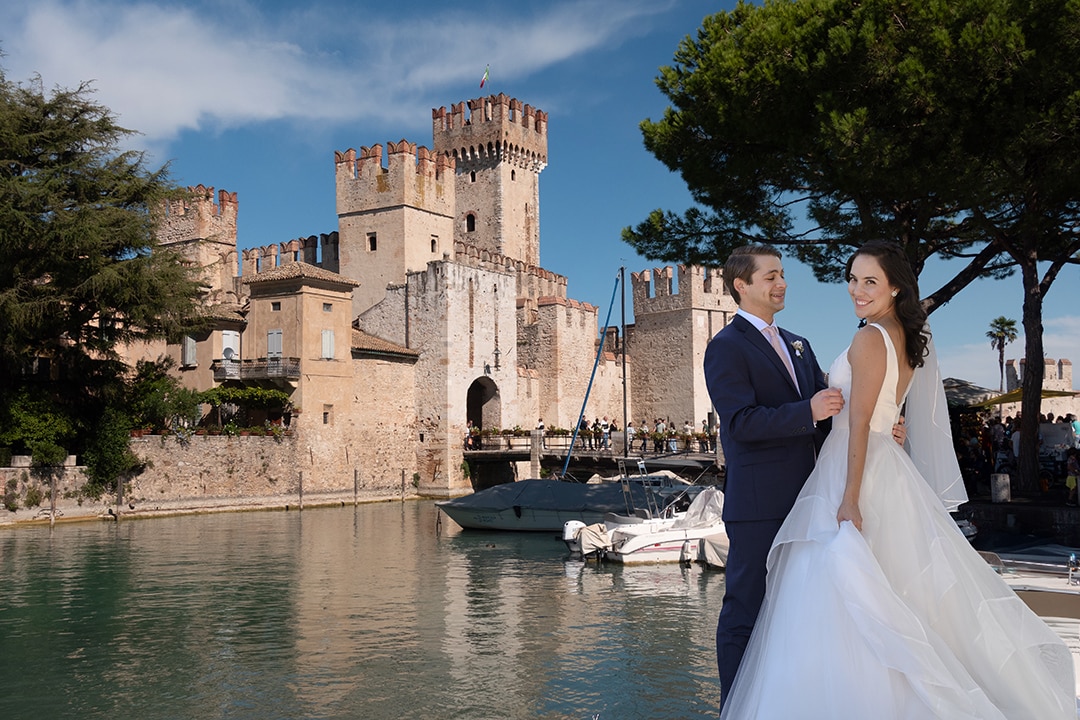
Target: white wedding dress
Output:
[(903, 620)]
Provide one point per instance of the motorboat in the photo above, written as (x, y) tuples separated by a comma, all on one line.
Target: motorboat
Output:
[(671, 538), (546, 505)]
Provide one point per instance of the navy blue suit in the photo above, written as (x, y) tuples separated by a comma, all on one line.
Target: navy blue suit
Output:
[(770, 445)]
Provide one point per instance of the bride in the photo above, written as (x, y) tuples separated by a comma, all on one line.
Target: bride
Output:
[(877, 606)]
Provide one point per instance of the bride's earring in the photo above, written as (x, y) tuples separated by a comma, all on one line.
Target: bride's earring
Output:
[(894, 292)]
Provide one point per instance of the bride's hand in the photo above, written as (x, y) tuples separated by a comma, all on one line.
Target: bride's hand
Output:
[(849, 510)]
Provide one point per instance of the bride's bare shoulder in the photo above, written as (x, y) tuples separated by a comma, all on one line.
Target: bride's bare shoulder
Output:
[(868, 345)]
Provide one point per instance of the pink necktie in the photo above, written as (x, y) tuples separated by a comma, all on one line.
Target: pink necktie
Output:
[(774, 339)]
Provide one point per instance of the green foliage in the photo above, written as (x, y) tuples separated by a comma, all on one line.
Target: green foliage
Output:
[(28, 419), (47, 454), (249, 397), (11, 495), (34, 496), (108, 453), (821, 124), (158, 401)]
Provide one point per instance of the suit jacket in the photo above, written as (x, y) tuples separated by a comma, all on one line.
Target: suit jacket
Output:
[(767, 430)]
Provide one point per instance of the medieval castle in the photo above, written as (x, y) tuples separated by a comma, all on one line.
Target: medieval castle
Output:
[(427, 310)]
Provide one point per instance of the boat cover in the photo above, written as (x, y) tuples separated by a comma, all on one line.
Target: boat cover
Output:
[(705, 511), (556, 495)]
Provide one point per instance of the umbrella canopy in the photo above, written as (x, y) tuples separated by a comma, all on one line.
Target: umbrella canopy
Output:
[(961, 393), (1017, 395)]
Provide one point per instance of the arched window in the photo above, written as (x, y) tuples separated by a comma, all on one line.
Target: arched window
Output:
[(513, 175), (470, 223), (472, 176)]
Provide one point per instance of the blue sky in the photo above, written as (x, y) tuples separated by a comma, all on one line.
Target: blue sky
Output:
[(255, 97)]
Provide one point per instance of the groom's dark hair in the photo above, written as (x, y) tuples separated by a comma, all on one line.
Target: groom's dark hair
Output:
[(741, 264)]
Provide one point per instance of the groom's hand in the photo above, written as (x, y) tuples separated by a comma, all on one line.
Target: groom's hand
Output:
[(899, 431), (826, 403)]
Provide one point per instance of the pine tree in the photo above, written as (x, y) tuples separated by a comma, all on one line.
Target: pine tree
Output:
[(82, 272)]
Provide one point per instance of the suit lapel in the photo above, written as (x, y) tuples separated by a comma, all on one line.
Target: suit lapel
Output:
[(796, 362), (755, 338)]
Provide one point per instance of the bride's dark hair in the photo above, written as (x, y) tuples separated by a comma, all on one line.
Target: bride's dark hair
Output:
[(908, 308)]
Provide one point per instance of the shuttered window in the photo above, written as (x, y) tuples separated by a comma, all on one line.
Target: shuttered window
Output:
[(187, 352), (273, 344)]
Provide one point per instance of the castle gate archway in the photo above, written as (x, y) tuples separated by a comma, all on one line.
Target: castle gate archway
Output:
[(483, 406)]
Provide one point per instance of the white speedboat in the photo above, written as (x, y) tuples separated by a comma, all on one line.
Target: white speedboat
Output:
[(677, 538)]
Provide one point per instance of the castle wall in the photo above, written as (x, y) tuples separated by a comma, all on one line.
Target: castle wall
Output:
[(1057, 375), (561, 346), (457, 316), (675, 316)]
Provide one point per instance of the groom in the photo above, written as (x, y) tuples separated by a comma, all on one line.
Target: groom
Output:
[(774, 408)]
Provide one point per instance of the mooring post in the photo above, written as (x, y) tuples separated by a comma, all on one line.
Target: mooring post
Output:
[(301, 484), (356, 486), (52, 500), (402, 484)]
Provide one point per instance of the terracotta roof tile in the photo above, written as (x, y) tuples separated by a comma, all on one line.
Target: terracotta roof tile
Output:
[(300, 270), (369, 343), (224, 311)]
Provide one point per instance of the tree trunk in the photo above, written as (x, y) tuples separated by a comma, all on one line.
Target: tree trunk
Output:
[(1001, 365), (1034, 370)]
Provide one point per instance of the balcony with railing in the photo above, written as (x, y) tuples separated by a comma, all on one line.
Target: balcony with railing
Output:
[(276, 368)]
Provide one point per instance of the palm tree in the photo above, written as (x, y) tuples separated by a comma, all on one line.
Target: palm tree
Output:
[(1002, 332)]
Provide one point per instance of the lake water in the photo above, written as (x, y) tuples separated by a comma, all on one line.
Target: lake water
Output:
[(365, 613)]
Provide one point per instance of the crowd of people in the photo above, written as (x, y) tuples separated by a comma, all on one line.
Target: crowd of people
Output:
[(994, 447)]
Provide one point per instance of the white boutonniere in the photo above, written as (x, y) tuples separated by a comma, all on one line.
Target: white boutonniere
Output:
[(798, 346)]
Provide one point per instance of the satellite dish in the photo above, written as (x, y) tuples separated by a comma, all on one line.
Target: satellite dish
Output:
[(228, 353)]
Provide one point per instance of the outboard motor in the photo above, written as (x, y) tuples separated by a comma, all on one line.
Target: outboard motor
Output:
[(570, 530)]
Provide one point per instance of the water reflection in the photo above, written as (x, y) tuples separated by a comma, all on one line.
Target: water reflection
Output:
[(367, 612)]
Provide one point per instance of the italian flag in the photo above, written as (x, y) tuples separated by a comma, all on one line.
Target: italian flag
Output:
[(483, 80)]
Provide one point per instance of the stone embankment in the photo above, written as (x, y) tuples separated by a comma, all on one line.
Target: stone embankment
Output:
[(198, 475)]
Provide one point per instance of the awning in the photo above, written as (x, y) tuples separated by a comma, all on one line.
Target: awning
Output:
[(1017, 395)]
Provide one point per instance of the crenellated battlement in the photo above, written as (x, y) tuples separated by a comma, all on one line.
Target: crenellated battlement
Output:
[(199, 217), (304, 249), (497, 128), (1057, 375), (693, 287), (413, 176), (533, 281)]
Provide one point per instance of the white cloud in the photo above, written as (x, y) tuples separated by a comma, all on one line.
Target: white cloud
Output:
[(168, 68)]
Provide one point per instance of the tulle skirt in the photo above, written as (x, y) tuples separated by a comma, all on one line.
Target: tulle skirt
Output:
[(904, 620)]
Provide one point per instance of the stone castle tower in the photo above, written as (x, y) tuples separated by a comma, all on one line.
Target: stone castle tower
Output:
[(391, 220), (675, 316), (500, 148), (204, 232)]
